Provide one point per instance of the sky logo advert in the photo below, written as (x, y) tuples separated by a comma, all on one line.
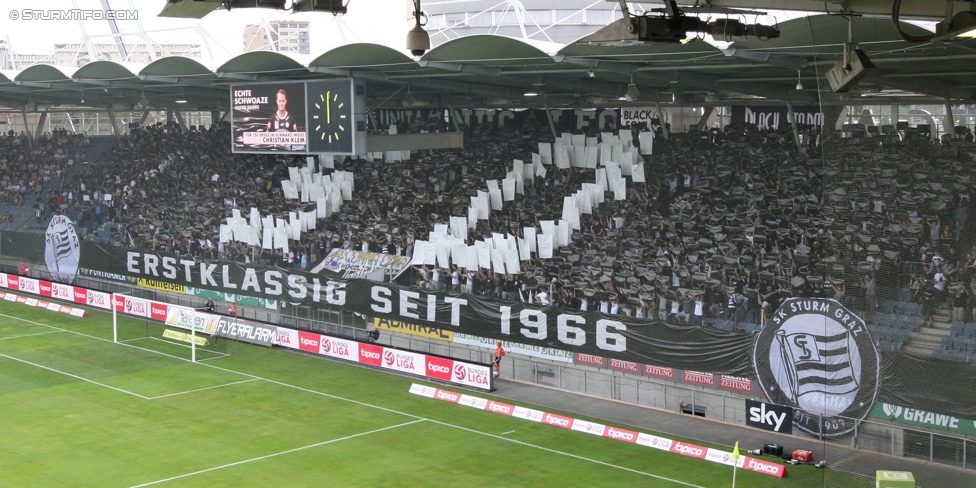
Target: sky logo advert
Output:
[(768, 416)]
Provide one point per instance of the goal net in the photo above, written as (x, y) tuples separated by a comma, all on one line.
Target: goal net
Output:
[(168, 329)]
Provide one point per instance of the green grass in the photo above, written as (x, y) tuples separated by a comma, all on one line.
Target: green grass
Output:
[(79, 410)]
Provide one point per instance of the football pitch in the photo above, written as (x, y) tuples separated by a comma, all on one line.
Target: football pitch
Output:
[(77, 409)]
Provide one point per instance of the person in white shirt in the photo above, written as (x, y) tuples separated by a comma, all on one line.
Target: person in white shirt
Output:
[(940, 280), (699, 312), (615, 308), (937, 260), (455, 280), (675, 310), (542, 297)]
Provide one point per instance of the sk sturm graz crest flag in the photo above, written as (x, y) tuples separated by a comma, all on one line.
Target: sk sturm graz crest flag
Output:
[(818, 357), (62, 249)]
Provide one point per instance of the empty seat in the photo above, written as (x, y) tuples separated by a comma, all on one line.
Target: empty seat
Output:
[(969, 330)]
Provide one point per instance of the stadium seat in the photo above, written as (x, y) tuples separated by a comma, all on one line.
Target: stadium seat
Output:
[(969, 330), (957, 329)]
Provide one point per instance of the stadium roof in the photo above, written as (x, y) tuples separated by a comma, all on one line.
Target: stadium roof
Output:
[(487, 70)]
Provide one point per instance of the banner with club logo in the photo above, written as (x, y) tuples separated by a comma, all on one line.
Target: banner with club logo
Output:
[(817, 357)]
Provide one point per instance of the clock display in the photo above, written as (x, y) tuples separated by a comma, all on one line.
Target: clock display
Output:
[(331, 125)]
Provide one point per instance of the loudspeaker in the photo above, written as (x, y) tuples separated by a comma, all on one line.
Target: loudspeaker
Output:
[(842, 79)]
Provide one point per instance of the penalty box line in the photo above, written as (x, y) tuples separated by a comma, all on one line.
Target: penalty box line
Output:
[(121, 390), (30, 335), (377, 407), (202, 389), (289, 451), (86, 380)]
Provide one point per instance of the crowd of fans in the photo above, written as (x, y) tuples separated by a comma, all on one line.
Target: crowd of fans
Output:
[(26, 165), (166, 189), (728, 225)]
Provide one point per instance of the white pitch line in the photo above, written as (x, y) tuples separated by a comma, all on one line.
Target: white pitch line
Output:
[(509, 432), (259, 458), (76, 377), (581, 458), (30, 335), (595, 461), (121, 343), (202, 389), (357, 402)]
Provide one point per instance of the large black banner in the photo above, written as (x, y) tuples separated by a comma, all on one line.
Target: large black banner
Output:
[(638, 340), (773, 117), (563, 119), (937, 385)]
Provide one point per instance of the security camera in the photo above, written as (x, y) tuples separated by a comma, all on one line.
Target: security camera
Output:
[(418, 40)]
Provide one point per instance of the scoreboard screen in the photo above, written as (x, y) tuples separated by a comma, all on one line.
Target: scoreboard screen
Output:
[(269, 118)]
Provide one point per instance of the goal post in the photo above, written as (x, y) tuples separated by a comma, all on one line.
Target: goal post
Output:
[(169, 329)]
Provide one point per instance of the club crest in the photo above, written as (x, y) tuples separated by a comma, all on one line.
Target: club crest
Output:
[(818, 357), (62, 250)]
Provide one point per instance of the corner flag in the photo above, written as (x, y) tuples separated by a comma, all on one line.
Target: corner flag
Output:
[(735, 457)]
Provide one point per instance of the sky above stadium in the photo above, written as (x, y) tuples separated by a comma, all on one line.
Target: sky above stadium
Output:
[(379, 21)]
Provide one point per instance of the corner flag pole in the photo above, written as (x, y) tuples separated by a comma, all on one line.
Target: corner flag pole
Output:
[(735, 461)]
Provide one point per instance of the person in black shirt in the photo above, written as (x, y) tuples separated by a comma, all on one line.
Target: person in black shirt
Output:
[(282, 121)]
